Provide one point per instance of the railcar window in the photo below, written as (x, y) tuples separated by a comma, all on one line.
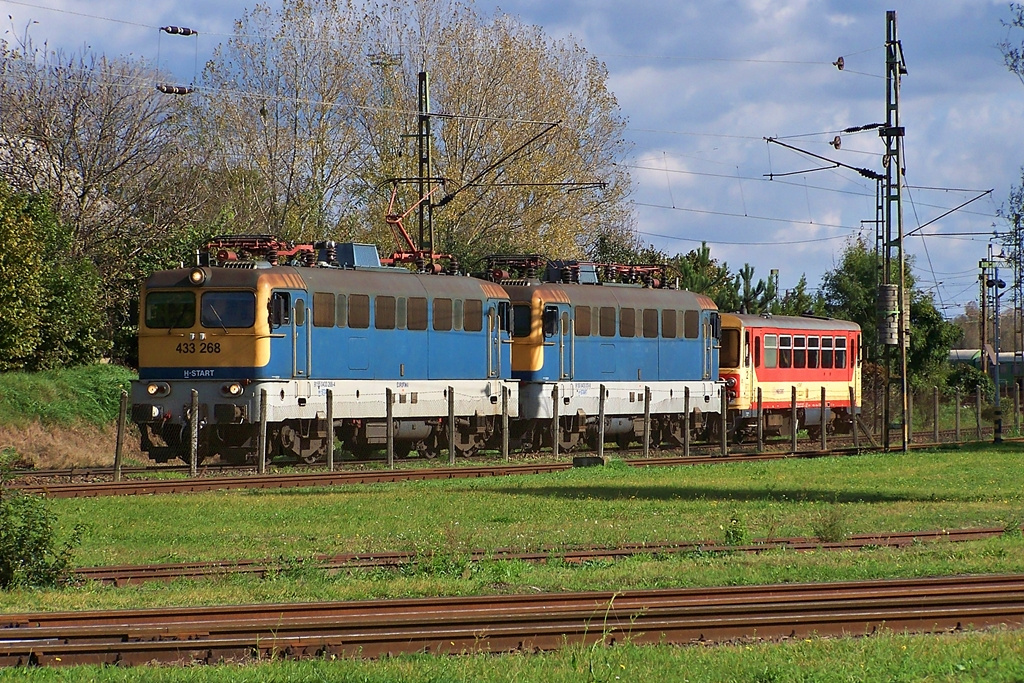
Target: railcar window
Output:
[(417, 313), (812, 352), (522, 321), (800, 352), (323, 309), (691, 324), (840, 352), (729, 356), (401, 312), (607, 321), (300, 312), (359, 311), (228, 309), (627, 322), (771, 350), (650, 323), (457, 311), (826, 352), (442, 315), (668, 323), (582, 321), (341, 310), (384, 312), (785, 351), (473, 315), (170, 309)]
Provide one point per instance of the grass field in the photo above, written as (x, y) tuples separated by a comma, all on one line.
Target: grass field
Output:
[(444, 520)]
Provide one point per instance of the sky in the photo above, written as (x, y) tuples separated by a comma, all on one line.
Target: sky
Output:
[(703, 83)]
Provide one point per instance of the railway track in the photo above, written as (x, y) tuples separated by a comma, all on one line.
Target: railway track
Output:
[(377, 628), (124, 575)]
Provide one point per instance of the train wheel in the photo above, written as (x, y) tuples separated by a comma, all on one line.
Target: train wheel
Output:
[(623, 440)]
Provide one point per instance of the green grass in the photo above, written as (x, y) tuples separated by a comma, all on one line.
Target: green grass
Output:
[(992, 657), (88, 394)]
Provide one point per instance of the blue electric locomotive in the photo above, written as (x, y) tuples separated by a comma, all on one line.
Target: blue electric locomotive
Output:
[(244, 326), (585, 327)]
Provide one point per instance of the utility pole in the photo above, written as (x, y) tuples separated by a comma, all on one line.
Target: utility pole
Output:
[(894, 296), (426, 212)]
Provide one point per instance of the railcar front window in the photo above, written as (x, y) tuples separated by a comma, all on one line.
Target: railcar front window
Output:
[(170, 309), (729, 355), (228, 309)]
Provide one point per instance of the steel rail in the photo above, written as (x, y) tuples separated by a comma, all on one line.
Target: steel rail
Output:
[(123, 575), (508, 623)]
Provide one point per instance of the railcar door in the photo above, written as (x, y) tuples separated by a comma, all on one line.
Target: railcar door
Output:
[(494, 328), (300, 336), (566, 343), (710, 332)]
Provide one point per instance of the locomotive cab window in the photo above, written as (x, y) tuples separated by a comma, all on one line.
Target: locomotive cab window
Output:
[(771, 350), (280, 309), (170, 309), (228, 309), (550, 321), (729, 356), (522, 321)]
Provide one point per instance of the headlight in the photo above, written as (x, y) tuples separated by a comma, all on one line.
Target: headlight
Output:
[(232, 389), (730, 382), (158, 388), (197, 276)]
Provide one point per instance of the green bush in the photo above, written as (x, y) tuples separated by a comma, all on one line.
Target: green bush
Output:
[(30, 553)]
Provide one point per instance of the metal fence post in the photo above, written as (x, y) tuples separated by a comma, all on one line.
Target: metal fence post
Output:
[(451, 425), (600, 423), (725, 423), (647, 422), (1016, 407), (793, 424), (261, 435), (824, 443), (686, 421), (760, 423), (977, 411), (504, 422), (122, 419), (389, 412), (909, 417), (330, 430), (935, 413), (193, 442), (853, 418), (957, 416), (554, 421)]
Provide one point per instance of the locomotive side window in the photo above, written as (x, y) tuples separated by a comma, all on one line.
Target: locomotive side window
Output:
[(442, 315), (401, 312), (729, 356), (650, 323), (771, 350), (840, 352), (627, 322), (522, 321), (341, 310), (582, 321), (417, 313), (323, 309), (799, 352), (550, 321), (473, 315), (785, 351), (280, 309), (826, 352), (228, 309), (691, 324), (359, 311), (668, 323), (170, 309), (457, 314), (607, 321), (812, 352), (384, 312)]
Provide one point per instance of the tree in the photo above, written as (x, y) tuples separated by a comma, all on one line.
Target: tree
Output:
[(313, 111), (797, 301), (1013, 55)]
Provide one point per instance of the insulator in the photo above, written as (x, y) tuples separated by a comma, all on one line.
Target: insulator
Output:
[(272, 257), (179, 31), (309, 258), (168, 89)]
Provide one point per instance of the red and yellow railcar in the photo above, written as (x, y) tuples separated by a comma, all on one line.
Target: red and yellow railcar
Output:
[(778, 354)]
